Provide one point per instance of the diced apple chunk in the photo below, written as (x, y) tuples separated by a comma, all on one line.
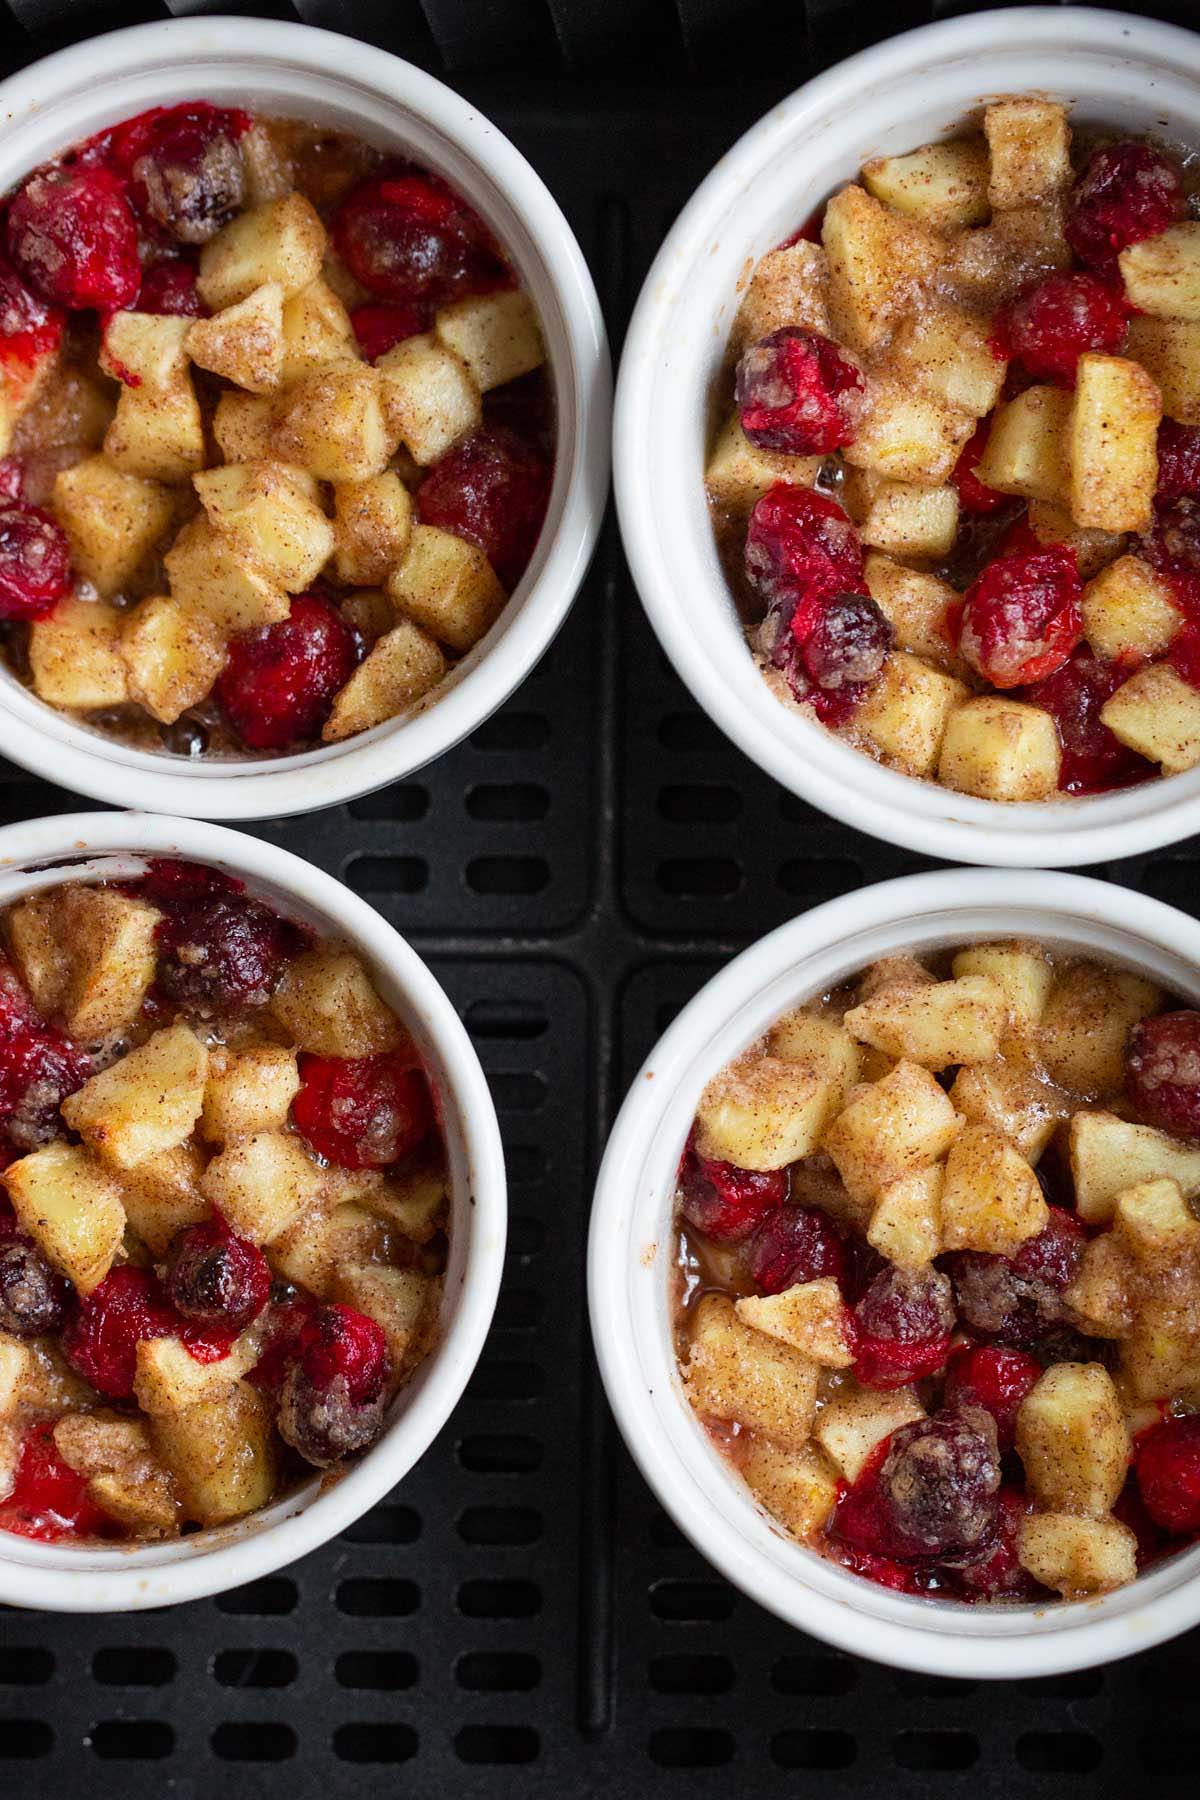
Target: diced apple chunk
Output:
[(429, 396), (1029, 143), (1081, 1038), (372, 523), (819, 1043), (1073, 1441), (162, 1197), (145, 1505), (1157, 713), (992, 1200), (281, 242), (906, 1225), (850, 1425), (213, 577), (761, 1113), (446, 586), (906, 435), (1169, 351), (402, 667), (878, 260), (1077, 1557), (112, 520), (172, 656), (323, 1240), (415, 1203), (937, 1024), (247, 1091), (317, 333), (157, 434), (221, 1454), (789, 286), (947, 352), (1129, 610), (244, 427), (1154, 1223), (902, 517), (946, 185), (402, 1301), (738, 1374), (496, 336), (146, 1102), (328, 1004), (1053, 524), (905, 713), (1162, 273), (914, 603), (1027, 446), (1000, 749), (71, 1207), (75, 656), (170, 1378), (333, 423), (890, 1129), (87, 953), (270, 518), (1113, 443), (738, 473), (261, 1183), (1110, 1155), (811, 1317), (1020, 969), (1011, 1101), (1100, 1292), (243, 342), (144, 350)]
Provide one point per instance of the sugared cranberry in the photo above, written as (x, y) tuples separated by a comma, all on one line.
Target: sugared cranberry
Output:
[(284, 1324), (884, 1571), (801, 545), (12, 478), (170, 287), (973, 496), (217, 1278), (988, 1376), (927, 1493), (1162, 1072), (1048, 327), (72, 236), (170, 879), (49, 1500), (1018, 1299), (29, 325), (340, 1342), (35, 564), (332, 1398), (847, 644), (184, 167), (1021, 618), (101, 1340), (280, 681), (39, 1067), (727, 1203), (491, 489), (1168, 1474), (1178, 460), (33, 1298), (1172, 544), (902, 1326), (1093, 760), (222, 952), (998, 1574), (793, 1244), (379, 326), (1127, 192), (363, 1112), (408, 237), (794, 389)]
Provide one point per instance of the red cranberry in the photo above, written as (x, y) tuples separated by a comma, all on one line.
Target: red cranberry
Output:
[(727, 1203), (17, 1011), (101, 1340), (973, 496), (12, 478), (170, 879), (884, 1571), (170, 287), (280, 681), (491, 489), (902, 1326), (362, 1112), (987, 1376), (379, 326), (35, 564), (72, 235), (843, 644), (217, 1278), (1129, 1509), (793, 389), (409, 237), (33, 1298), (222, 952), (39, 1067), (1178, 460), (927, 1493), (800, 545), (1049, 326), (332, 1398), (338, 1341), (1018, 1299), (1162, 1072), (1021, 618), (1172, 544), (285, 1322), (184, 167), (29, 325), (1093, 760), (793, 1244), (49, 1499), (1168, 1474), (998, 1575), (1127, 192)]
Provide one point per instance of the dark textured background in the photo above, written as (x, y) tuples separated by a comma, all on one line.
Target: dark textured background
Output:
[(520, 1619)]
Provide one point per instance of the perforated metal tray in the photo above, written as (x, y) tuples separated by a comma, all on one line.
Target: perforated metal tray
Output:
[(520, 1619)]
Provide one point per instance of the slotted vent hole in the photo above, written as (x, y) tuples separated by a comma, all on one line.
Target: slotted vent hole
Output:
[(376, 1741), (25, 1666), (402, 804), (254, 1668), (518, 1020), (813, 1749), (934, 1751), (385, 1525), (377, 1671), (691, 1602), (497, 1744), (377, 1597), (133, 1665), (498, 1672), (512, 731), (253, 1741), (369, 875), (488, 1599), (518, 802), (691, 1747), (701, 1674), (499, 1454), (272, 1597), (132, 1740), (497, 1525)]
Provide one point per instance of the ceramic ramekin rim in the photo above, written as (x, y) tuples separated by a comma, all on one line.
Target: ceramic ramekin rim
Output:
[(707, 1501), (43, 740), (66, 1579), (797, 752)]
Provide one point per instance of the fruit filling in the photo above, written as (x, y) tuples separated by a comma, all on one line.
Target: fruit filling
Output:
[(223, 1206), (956, 489), (937, 1284), (276, 433)]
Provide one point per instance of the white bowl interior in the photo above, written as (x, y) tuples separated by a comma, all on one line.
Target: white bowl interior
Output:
[(925, 85), (292, 71), (633, 1247), (125, 1576)]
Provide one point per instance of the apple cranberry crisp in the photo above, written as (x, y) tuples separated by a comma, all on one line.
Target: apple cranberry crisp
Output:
[(938, 1281), (957, 490), (223, 1206), (278, 437)]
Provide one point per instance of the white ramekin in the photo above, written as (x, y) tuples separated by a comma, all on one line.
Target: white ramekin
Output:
[(299, 71), (631, 1249), (1113, 69), (64, 1578)]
